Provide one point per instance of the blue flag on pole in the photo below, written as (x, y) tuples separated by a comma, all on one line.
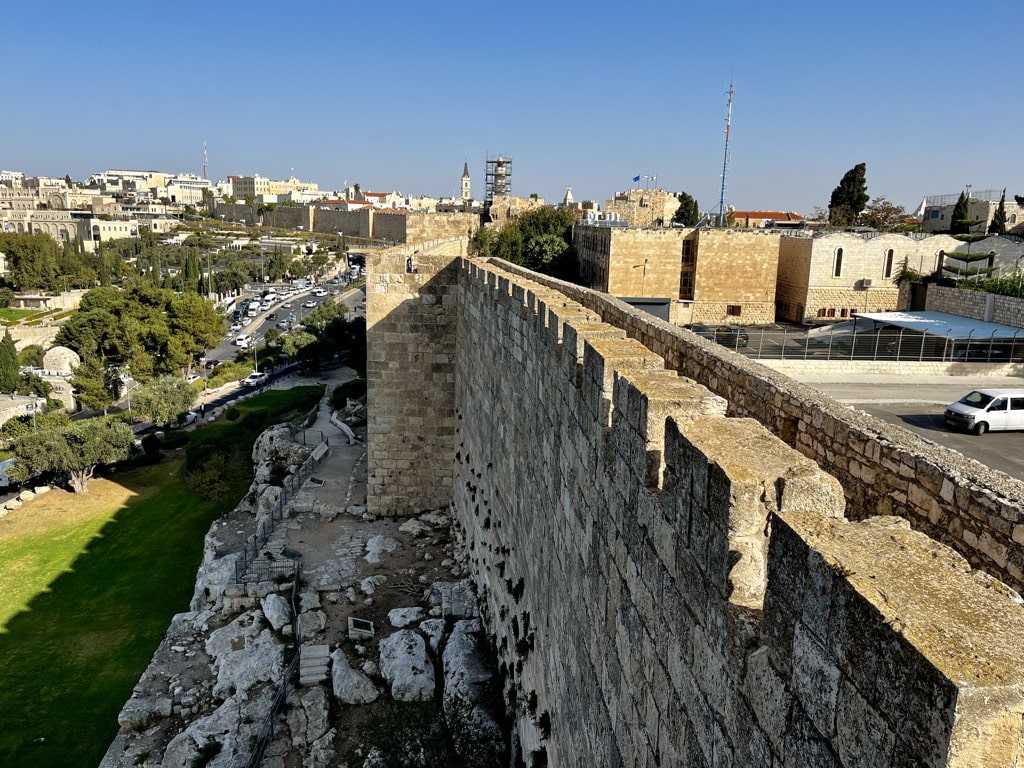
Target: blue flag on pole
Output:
[(636, 178)]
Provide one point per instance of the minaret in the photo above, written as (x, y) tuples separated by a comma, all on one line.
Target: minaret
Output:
[(465, 181)]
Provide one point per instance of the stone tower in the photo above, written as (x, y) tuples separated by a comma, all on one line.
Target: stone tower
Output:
[(465, 181)]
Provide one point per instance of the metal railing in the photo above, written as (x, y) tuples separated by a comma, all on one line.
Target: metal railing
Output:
[(890, 344)]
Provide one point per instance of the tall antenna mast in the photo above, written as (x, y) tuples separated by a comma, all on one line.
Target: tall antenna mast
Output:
[(206, 164), (725, 160)]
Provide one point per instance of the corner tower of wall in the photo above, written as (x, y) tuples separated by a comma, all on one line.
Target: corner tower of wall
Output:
[(411, 302)]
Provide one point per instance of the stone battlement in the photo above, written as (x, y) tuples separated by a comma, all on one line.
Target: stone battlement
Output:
[(666, 580)]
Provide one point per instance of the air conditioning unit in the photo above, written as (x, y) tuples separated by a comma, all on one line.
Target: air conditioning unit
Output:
[(867, 282)]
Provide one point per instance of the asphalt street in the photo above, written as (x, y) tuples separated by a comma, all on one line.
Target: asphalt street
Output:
[(917, 403)]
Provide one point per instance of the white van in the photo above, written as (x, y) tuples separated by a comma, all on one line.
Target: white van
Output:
[(987, 409)]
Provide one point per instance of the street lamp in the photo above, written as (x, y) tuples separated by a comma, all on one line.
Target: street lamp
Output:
[(31, 408)]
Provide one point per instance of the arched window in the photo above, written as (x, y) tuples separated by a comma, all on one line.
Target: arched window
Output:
[(1013, 218), (837, 267), (887, 270)]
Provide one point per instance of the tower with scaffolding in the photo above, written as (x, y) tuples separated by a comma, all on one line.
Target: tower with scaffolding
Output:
[(497, 178)]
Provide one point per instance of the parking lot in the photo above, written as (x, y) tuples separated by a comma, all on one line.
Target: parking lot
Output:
[(917, 403)]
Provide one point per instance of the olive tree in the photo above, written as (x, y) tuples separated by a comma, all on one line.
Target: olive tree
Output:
[(76, 449)]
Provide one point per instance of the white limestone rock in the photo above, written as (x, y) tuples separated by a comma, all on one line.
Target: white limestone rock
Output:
[(415, 528), (434, 630), (369, 585), (403, 617), (378, 545), (138, 713), (233, 726), (312, 623), (350, 685), (277, 610), (315, 704), (406, 667), (244, 656), (467, 678)]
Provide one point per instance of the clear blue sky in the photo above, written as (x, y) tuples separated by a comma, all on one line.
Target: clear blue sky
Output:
[(397, 95)]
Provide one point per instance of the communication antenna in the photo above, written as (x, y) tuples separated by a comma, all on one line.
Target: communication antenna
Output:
[(725, 160), (206, 163)]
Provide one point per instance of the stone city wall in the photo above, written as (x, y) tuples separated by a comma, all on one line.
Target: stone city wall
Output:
[(1007, 310), (617, 524), (351, 223), (884, 470)]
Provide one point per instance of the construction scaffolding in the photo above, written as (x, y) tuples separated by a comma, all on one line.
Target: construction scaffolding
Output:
[(497, 178)]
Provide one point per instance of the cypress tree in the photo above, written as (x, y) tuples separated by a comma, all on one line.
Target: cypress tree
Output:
[(959, 221), (8, 364), (849, 198), (998, 224)]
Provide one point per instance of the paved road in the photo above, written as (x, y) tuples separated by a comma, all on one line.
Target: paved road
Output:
[(917, 403)]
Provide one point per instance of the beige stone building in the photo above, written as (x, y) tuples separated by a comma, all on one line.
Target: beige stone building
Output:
[(833, 276), (937, 212), (708, 275), (506, 208), (643, 207)]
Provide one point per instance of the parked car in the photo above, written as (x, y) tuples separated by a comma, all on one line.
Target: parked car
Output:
[(987, 409), (210, 364), (192, 378), (254, 380), (727, 335)]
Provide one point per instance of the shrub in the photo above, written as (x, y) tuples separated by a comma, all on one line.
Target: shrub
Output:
[(355, 388), (232, 414), (151, 444)]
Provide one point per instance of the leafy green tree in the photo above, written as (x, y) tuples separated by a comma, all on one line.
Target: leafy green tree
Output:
[(31, 356), (6, 297), (688, 213), (8, 364), (849, 198), (32, 259), (998, 224), (882, 215), (163, 400), (96, 385), (30, 384), (76, 449)]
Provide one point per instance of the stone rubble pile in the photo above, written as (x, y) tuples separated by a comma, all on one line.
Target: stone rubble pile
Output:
[(213, 681)]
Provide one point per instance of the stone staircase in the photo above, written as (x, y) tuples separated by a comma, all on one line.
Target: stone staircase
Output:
[(314, 664)]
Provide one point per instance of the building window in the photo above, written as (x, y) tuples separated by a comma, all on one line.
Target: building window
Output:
[(887, 272), (821, 312), (686, 285), (1013, 218), (837, 267), (688, 254), (843, 313), (733, 310)]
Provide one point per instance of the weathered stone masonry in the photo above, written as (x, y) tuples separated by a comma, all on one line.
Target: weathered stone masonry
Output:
[(617, 522)]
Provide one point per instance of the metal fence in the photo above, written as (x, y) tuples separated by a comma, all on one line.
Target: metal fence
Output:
[(253, 564), (888, 344)]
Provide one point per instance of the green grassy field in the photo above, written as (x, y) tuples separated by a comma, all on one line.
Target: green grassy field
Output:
[(88, 585), (16, 314)]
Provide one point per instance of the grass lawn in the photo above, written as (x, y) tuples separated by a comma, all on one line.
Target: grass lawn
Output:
[(89, 586), (7, 313)]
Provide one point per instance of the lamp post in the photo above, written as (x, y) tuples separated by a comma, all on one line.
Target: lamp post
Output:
[(31, 408)]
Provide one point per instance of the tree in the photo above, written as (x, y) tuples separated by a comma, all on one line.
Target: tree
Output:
[(76, 449), (882, 215), (164, 399), (31, 356), (998, 223), (8, 364), (687, 214), (94, 386), (959, 221), (849, 198)]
